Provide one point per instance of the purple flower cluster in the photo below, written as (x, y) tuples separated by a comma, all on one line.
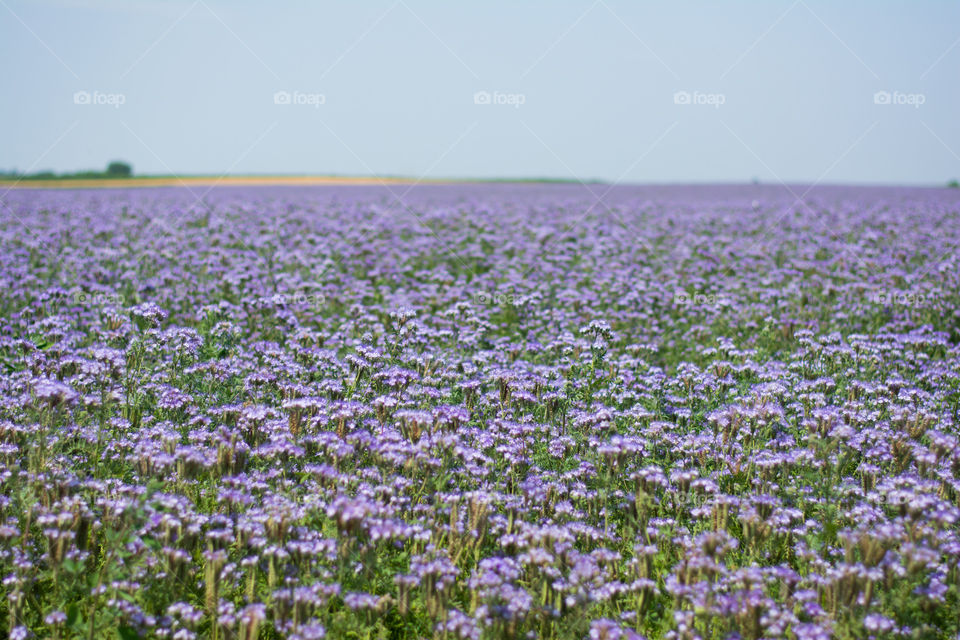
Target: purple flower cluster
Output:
[(499, 411)]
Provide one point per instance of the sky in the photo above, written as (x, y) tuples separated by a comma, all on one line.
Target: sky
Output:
[(799, 91)]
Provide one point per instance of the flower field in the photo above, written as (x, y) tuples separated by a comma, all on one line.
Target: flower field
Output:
[(491, 411)]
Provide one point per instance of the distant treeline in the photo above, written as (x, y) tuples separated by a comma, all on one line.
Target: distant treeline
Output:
[(120, 169), (115, 169)]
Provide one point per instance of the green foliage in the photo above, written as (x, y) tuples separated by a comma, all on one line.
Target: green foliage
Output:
[(116, 169)]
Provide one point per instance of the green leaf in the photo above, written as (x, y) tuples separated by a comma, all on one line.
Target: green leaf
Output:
[(73, 611), (127, 633), (153, 544), (72, 566)]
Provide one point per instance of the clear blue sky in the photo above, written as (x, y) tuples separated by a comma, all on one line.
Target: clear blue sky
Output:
[(786, 89)]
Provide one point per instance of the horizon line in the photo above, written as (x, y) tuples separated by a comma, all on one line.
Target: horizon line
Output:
[(310, 179)]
